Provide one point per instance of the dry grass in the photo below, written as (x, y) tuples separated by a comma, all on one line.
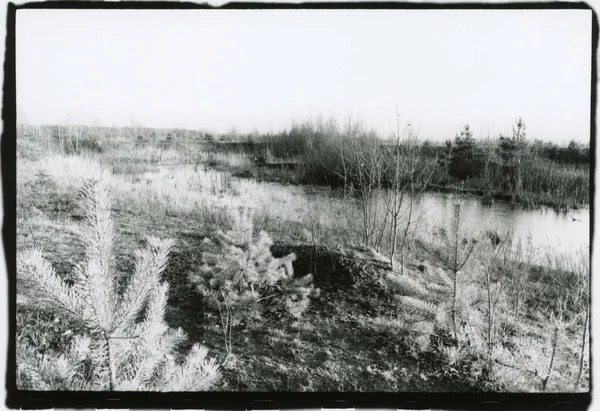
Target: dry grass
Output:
[(203, 193), (350, 339)]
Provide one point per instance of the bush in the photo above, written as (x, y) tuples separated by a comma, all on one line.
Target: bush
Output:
[(242, 274), (29, 150), (90, 145)]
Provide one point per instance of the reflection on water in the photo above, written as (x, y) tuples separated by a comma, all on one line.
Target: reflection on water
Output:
[(548, 230)]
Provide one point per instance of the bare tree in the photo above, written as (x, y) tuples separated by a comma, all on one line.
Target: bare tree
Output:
[(409, 176), (368, 173), (362, 167)]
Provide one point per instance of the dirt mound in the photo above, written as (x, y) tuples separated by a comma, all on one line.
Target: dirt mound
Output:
[(355, 272)]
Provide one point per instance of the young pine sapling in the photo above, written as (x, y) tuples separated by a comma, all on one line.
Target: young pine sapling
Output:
[(121, 341), (241, 275)]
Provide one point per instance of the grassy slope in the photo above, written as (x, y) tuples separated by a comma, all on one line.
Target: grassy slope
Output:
[(342, 343), (332, 347), (329, 349)]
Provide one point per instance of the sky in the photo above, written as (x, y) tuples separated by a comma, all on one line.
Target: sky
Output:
[(219, 70)]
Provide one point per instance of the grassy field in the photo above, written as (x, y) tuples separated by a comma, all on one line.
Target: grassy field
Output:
[(353, 337)]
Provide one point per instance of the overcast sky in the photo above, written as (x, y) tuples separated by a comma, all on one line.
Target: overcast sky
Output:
[(261, 69)]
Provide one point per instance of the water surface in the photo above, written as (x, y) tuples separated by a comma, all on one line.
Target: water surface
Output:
[(544, 229)]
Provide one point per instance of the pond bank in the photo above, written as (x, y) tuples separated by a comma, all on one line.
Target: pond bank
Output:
[(296, 174)]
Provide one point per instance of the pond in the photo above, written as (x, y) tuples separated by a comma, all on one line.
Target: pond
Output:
[(549, 232), (547, 229), (544, 229)]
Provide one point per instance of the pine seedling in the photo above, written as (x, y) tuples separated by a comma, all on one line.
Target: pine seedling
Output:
[(242, 275), (444, 296), (494, 300), (122, 340), (453, 256)]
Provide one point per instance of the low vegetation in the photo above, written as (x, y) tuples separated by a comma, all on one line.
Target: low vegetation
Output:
[(299, 292), (513, 168), (242, 276), (121, 341)]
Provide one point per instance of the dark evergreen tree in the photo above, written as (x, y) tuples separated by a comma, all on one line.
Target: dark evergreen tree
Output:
[(511, 150)]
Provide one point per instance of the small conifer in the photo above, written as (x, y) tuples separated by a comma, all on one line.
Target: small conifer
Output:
[(443, 297), (241, 275), (121, 341)]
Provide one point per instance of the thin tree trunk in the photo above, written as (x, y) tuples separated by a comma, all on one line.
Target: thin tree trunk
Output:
[(60, 139), (381, 232), (230, 321), (490, 319), (224, 323), (365, 211), (454, 306), (111, 366), (69, 134), (48, 136), (585, 326), (397, 188), (554, 343), (394, 236), (408, 222), (455, 270), (393, 229)]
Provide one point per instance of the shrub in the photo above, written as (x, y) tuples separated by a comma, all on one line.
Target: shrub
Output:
[(29, 150), (241, 275), (142, 141), (91, 145)]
